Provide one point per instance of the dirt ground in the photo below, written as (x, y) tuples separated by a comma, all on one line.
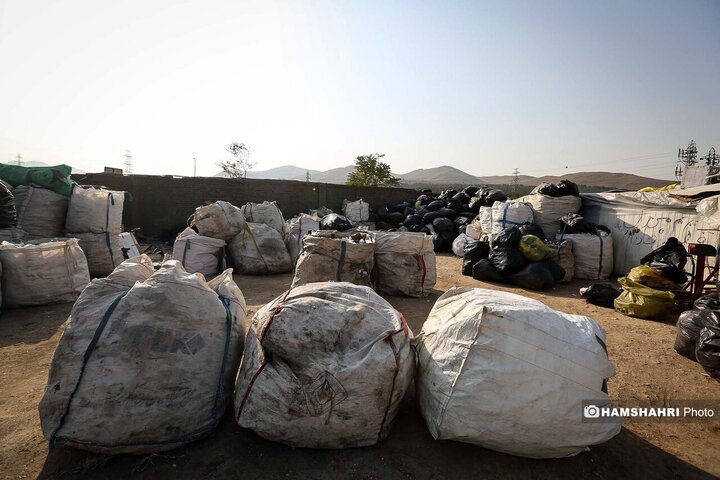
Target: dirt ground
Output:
[(642, 350)]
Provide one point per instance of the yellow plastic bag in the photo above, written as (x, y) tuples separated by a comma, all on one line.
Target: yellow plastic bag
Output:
[(643, 302), (534, 249), (651, 277), (672, 186)]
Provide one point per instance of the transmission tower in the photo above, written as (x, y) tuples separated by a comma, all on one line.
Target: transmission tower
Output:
[(128, 163), (711, 158), (19, 160), (515, 182), (307, 175), (687, 157)]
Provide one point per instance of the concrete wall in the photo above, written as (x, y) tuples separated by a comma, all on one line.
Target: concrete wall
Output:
[(162, 203)]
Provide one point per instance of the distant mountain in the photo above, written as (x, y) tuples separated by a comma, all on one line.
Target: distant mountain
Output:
[(33, 163), (446, 175)]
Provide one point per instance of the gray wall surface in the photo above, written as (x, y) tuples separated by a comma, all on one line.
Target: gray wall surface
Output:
[(163, 203)]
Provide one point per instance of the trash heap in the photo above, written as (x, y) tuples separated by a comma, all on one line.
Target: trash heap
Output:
[(524, 260), (698, 334), (647, 289), (551, 202)]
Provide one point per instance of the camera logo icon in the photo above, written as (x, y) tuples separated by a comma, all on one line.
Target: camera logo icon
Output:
[(591, 411)]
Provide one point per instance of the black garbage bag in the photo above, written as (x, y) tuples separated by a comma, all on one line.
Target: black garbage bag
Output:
[(454, 206), (415, 228), (395, 218), (421, 211), (506, 260), (411, 220), (601, 294), (334, 221), (493, 196), (8, 214), (446, 212), (534, 276), (408, 211), (398, 207), (382, 212), (461, 197), (708, 350), (688, 330), (383, 225), (434, 205), (528, 228), (460, 221), (448, 236), (476, 203), (557, 271), (510, 237), (549, 189), (574, 223), (429, 217), (567, 188), (707, 302), (425, 230), (470, 191), (443, 224), (373, 217), (465, 208), (483, 270), (462, 229), (474, 252), (670, 259), (441, 242), (447, 194)]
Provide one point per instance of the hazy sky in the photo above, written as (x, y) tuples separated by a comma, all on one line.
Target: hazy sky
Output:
[(483, 86)]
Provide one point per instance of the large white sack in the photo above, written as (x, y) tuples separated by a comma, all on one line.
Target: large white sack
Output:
[(102, 250), (221, 220), (357, 211), (404, 263), (259, 250), (295, 231), (593, 254), (43, 273), (507, 214), (334, 256), (508, 373), (486, 223), (198, 253), (40, 212), (95, 210), (325, 366), (266, 212), (147, 360), (474, 229), (549, 210), (458, 245)]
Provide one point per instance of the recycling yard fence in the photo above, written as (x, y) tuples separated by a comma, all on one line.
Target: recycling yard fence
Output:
[(161, 204)]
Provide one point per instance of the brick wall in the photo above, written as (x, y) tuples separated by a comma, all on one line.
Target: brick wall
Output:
[(162, 203)]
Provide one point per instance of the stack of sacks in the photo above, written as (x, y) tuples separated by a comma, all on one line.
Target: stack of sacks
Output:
[(508, 373), (551, 202), (357, 211), (404, 263), (266, 213), (221, 220), (326, 365), (199, 254), (41, 213), (259, 249), (42, 273), (295, 231), (147, 361), (523, 260), (334, 256), (592, 247), (95, 218)]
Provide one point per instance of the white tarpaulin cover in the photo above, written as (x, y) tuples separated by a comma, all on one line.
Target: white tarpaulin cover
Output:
[(221, 220), (259, 250), (404, 263), (147, 360), (40, 212), (357, 211), (198, 253), (508, 373), (267, 213), (325, 366), (94, 210), (641, 222), (43, 273), (548, 210)]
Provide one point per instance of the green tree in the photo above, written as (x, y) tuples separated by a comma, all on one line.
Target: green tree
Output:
[(371, 172), (239, 164)]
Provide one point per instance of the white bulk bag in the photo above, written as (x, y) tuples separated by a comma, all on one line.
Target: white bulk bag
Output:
[(40, 212), (593, 254), (549, 210), (95, 210), (357, 211), (563, 255), (267, 213), (221, 220), (508, 373), (404, 263), (102, 250), (485, 217), (458, 245), (296, 229), (198, 253), (42, 273), (474, 229), (333, 256), (325, 366), (146, 362), (258, 250), (507, 214)]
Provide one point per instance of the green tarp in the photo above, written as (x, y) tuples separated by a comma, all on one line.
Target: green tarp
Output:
[(56, 178)]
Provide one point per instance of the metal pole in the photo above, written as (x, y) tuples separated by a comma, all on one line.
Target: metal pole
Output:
[(194, 167)]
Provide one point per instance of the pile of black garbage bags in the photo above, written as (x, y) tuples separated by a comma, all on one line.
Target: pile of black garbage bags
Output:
[(562, 189), (518, 255), (698, 334)]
